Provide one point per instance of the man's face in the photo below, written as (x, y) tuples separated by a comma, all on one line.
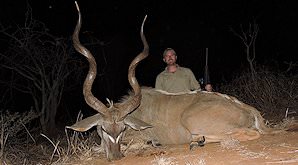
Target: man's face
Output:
[(170, 58), (208, 88)]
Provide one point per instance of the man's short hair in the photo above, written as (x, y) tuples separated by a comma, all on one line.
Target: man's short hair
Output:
[(168, 49)]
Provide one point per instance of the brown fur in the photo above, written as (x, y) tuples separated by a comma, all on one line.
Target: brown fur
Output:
[(182, 118)]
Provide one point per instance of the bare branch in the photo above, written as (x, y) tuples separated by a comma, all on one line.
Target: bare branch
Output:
[(248, 38), (40, 64)]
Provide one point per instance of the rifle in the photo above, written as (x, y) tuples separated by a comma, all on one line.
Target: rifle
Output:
[(206, 73)]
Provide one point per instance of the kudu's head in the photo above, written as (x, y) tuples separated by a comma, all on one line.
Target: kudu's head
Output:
[(111, 121)]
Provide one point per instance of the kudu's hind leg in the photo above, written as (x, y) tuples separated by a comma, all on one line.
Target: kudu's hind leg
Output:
[(197, 141)]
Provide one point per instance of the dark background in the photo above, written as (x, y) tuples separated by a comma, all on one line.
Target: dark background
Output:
[(187, 26)]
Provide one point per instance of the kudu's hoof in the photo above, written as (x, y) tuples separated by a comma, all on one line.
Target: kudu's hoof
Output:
[(154, 143), (192, 145), (199, 143)]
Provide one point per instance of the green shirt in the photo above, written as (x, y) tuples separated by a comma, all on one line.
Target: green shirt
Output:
[(183, 80)]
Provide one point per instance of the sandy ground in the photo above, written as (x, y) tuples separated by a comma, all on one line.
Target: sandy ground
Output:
[(279, 148)]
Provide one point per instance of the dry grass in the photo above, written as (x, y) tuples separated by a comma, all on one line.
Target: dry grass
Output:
[(230, 143), (78, 147), (274, 93), (18, 145), (12, 128), (161, 160)]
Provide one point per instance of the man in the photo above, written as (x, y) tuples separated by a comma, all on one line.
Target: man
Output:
[(174, 78)]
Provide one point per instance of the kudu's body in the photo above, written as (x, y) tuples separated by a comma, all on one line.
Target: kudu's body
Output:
[(186, 118)]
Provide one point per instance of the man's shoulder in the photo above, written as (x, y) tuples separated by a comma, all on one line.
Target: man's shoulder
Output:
[(185, 69), (161, 73)]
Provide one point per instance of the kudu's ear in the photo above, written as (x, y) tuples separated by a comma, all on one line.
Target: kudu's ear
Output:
[(136, 124), (87, 123)]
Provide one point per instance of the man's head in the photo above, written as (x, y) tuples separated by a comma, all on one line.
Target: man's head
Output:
[(169, 56), (208, 87)]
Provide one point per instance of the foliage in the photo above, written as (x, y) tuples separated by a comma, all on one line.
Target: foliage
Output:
[(11, 125), (16, 149), (274, 93)]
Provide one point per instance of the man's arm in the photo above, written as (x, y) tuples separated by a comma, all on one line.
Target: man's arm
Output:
[(193, 81), (158, 83)]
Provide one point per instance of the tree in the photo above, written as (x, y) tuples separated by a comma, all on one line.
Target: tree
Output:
[(39, 65), (248, 38)]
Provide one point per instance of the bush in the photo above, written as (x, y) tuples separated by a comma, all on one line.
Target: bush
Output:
[(273, 93), (12, 124)]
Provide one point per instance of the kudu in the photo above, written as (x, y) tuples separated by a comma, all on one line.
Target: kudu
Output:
[(196, 117), (111, 121)]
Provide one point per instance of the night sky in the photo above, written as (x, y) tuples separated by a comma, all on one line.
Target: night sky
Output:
[(187, 26)]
